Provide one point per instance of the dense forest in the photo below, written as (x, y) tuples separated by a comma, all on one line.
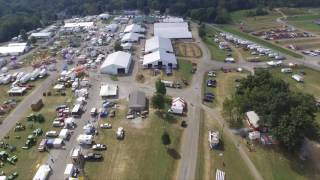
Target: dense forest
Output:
[(16, 15)]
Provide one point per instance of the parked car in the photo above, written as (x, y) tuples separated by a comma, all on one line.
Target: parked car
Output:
[(106, 126), (99, 147), (93, 157), (108, 104), (211, 74), (209, 95), (206, 99), (211, 83)]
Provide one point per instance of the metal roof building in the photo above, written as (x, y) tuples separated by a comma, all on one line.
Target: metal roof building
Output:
[(108, 90), (137, 100), (172, 30), (134, 28), (155, 43), (116, 63), (131, 37), (159, 58), (14, 49)]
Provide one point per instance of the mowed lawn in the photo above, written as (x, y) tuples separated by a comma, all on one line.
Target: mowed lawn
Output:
[(226, 86), (226, 158), (183, 72), (216, 53), (141, 155), (29, 160)]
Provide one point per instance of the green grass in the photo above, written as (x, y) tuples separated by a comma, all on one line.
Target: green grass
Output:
[(257, 40), (294, 11), (216, 53), (254, 23), (276, 165), (304, 17), (305, 22), (183, 72), (210, 160), (141, 155), (114, 77), (311, 83), (226, 86), (29, 160)]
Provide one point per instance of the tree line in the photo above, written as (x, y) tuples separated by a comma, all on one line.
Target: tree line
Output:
[(25, 14), (287, 115)]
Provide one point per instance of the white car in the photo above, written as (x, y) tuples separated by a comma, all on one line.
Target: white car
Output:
[(99, 147), (211, 74), (106, 126)]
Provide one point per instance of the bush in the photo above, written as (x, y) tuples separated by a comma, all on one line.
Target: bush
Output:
[(166, 138)]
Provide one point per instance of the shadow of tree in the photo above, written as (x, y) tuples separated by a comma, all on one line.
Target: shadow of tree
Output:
[(173, 153)]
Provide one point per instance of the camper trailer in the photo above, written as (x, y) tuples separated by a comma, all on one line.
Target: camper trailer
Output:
[(214, 139)]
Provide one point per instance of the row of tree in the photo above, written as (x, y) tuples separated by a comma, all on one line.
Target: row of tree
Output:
[(25, 14), (288, 115)]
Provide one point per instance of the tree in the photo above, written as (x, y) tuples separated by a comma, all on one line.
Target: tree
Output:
[(165, 138), (202, 30), (158, 101), (117, 46), (33, 40), (23, 35), (222, 16), (160, 87)]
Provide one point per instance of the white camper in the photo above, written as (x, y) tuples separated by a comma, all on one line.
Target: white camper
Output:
[(84, 139), (42, 172), (68, 171)]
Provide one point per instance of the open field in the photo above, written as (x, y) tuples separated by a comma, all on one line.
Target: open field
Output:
[(235, 31), (295, 11), (276, 165), (29, 160), (225, 86), (215, 51), (256, 23), (305, 22), (141, 155), (227, 154), (183, 72), (190, 50)]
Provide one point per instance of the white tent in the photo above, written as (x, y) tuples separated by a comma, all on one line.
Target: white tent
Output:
[(14, 49), (86, 25), (171, 19), (220, 175), (42, 172), (108, 90), (172, 30), (116, 63), (42, 35), (112, 27), (131, 37), (159, 58), (134, 28), (252, 119), (155, 43)]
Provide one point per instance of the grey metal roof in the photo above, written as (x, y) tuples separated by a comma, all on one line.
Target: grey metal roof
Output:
[(137, 99)]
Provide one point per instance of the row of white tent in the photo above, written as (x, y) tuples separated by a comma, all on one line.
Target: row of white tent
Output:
[(21, 77)]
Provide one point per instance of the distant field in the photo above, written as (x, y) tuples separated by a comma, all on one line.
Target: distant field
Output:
[(256, 23), (294, 11), (235, 31)]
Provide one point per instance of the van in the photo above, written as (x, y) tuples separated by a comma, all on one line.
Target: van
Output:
[(42, 145)]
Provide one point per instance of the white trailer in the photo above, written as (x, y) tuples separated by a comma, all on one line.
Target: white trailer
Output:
[(84, 139), (214, 139), (35, 74), (68, 171), (297, 77), (43, 73), (64, 134), (24, 79), (42, 172)]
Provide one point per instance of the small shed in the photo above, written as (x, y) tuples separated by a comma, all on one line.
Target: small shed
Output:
[(37, 105), (137, 100), (252, 119), (178, 105)]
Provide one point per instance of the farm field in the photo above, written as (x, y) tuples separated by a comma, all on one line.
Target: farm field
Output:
[(141, 155), (227, 154), (29, 160), (225, 86), (257, 23), (189, 50), (305, 22)]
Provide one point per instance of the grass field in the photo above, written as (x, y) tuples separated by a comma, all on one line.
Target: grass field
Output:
[(190, 50), (183, 72), (29, 160), (215, 51), (256, 23), (276, 165), (141, 155), (227, 154), (225, 86), (235, 31)]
